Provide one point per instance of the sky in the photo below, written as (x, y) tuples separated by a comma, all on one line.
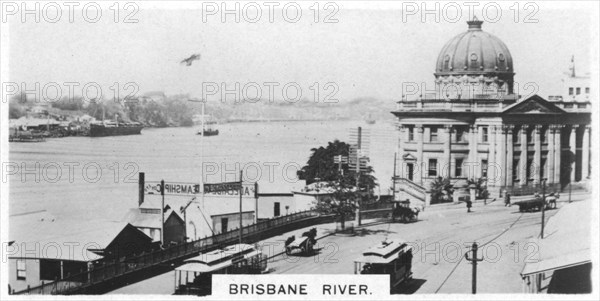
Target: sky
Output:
[(369, 52)]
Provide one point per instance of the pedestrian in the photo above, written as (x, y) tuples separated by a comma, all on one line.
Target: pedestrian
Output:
[(507, 199), (551, 200), (469, 203)]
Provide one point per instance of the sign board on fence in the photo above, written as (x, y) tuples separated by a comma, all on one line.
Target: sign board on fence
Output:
[(172, 188), (190, 189), (248, 190), (222, 187)]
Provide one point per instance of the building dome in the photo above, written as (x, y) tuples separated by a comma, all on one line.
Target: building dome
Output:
[(474, 52), (475, 57)]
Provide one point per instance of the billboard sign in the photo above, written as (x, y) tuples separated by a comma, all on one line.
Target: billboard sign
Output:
[(172, 188)]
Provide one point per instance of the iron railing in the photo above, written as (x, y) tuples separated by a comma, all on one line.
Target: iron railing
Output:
[(106, 271)]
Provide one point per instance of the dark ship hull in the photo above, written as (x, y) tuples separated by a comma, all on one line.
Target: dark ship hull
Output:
[(209, 132), (99, 130)]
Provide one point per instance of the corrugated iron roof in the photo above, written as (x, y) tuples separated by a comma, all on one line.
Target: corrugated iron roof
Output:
[(566, 241), (61, 239)]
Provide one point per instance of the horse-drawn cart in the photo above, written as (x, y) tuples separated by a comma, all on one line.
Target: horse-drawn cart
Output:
[(404, 213), (536, 203), (530, 205), (304, 244)]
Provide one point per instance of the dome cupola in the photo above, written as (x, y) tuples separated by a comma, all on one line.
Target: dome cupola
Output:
[(475, 55)]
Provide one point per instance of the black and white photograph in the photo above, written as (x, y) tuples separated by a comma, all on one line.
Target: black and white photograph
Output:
[(299, 150)]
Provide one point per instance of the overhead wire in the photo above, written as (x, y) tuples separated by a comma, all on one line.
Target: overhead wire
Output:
[(483, 245)]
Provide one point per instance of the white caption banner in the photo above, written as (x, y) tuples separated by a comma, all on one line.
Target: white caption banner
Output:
[(301, 287)]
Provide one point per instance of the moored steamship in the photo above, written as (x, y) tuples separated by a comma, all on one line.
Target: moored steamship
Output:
[(115, 129)]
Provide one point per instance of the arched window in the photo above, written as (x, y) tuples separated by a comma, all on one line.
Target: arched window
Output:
[(501, 60), (447, 61), (474, 59)]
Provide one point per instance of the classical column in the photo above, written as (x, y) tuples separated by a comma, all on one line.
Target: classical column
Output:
[(509, 154), (477, 160), (573, 149), (421, 167), (472, 166), (491, 152), (550, 156), (402, 136), (445, 164), (585, 153), (500, 165), (557, 152), (523, 158), (537, 155)]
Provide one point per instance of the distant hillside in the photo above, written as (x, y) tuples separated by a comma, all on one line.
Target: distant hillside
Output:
[(358, 108), (159, 110)]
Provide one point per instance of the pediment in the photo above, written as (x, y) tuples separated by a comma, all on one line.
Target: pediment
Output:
[(409, 157), (533, 105)]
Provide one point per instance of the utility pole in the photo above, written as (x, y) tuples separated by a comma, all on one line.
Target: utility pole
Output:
[(394, 178), (339, 159), (182, 210), (543, 205), (256, 202), (473, 261), (162, 213), (358, 147), (202, 102), (202, 158), (394, 187), (141, 185), (241, 193)]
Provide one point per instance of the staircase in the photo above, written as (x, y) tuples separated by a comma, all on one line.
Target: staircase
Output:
[(407, 189)]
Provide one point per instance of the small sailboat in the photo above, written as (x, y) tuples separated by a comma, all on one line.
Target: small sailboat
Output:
[(209, 129), (208, 126), (207, 121)]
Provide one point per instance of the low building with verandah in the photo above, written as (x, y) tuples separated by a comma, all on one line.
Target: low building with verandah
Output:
[(43, 248)]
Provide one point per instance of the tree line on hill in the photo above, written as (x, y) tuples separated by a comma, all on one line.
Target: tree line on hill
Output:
[(176, 110), (171, 111)]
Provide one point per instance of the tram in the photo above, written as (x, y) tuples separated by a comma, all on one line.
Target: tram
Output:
[(390, 257), (194, 277)]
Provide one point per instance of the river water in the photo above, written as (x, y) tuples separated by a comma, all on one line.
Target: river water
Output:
[(86, 179)]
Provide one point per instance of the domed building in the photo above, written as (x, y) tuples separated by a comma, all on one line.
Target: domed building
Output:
[(477, 62), (475, 126)]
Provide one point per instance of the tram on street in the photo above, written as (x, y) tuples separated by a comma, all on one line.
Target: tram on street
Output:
[(390, 257), (194, 277)]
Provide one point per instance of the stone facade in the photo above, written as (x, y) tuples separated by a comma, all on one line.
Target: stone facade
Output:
[(514, 142)]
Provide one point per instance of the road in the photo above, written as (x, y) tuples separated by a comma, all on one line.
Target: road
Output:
[(440, 238)]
